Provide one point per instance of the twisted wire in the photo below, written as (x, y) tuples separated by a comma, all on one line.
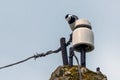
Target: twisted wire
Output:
[(38, 55)]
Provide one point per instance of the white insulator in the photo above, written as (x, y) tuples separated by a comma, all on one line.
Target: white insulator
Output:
[(82, 22), (83, 36)]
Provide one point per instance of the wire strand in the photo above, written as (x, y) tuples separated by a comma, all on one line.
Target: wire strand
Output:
[(38, 55), (17, 62), (79, 72)]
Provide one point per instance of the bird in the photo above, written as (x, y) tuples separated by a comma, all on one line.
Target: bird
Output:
[(71, 19), (99, 73), (98, 70)]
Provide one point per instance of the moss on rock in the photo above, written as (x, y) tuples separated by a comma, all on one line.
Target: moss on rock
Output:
[(71, 73)]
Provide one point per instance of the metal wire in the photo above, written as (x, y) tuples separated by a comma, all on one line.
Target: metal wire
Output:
[(38, 55), (79, 72), (17, 62)]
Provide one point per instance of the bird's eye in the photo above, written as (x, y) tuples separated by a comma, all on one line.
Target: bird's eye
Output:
[(66, 16)]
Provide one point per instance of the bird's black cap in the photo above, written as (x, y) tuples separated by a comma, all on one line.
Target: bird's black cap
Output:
[(67, 16)]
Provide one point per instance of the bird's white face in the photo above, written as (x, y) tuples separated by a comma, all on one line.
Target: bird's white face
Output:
[(68, 18)]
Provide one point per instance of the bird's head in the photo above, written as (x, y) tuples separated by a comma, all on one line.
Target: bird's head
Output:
[(68, 17), (71, 18), (98, 69)]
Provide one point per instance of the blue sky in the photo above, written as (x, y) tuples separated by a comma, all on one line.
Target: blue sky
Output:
[(30, 26)]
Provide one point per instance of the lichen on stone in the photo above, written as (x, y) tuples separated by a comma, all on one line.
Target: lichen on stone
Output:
[(71, 73)]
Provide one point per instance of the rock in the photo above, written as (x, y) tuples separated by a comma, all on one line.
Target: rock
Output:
[(72, 73)]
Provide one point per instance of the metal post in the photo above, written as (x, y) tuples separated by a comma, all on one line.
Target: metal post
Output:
[(71, 53), (83, 56), (64, 51)]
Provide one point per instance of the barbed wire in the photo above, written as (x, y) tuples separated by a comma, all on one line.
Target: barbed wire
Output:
[(38, 55)]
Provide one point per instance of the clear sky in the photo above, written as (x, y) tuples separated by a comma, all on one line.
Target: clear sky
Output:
[(30, 26)]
